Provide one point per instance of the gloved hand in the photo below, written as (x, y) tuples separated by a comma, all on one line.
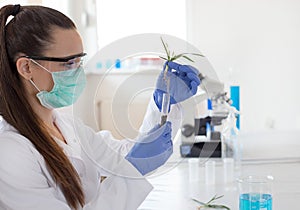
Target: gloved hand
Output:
[(152, 150), (184, 81)]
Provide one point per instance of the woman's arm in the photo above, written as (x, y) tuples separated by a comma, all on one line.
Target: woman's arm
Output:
[(124, 187)]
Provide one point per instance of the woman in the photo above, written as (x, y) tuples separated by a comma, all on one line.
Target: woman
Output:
[(49, 160)]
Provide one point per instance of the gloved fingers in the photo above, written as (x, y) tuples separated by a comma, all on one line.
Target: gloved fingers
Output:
[(158, 96), (166, 128), (182, 68), (168, 144), (167, 136), (173, 65), (169, 151), (194, 87), (157, 126), (167, 141), (167, 148), (193, 77), (167, 131), (160, 132), (169, 125), (188, 69), (180, 74), (165, 64)]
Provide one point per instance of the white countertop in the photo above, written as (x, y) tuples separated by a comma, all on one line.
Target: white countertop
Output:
[(174, 186), (174, 189)]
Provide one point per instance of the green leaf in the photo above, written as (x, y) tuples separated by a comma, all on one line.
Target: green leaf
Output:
[(165, 47), (187, 58), (213, 199), (176, 57), (172, 57), (184, 56), (219, 197), (163, 58), (196, 54), (217, 206), (198, 201)]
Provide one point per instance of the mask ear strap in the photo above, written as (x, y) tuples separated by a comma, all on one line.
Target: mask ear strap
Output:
[(34, 85), (40, 65)]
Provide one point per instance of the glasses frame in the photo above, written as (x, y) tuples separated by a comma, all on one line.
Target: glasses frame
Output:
[(55, 59)]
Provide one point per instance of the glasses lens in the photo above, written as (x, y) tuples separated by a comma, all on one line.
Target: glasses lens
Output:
[(68, 65), (72, 64)]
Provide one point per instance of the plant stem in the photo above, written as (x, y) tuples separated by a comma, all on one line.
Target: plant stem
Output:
[(209, 203)]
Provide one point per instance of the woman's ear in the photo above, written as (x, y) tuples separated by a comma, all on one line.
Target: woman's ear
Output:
[(23, 67)]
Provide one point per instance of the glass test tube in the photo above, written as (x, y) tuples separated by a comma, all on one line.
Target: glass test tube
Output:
[(165, 108), (165, 98)]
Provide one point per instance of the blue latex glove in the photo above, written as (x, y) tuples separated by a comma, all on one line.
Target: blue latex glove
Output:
[(184, 82), (152, 150)]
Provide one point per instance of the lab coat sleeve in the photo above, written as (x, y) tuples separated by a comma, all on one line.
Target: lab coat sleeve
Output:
[(124, 188), (119, 192), (23, 186), (153, 115)]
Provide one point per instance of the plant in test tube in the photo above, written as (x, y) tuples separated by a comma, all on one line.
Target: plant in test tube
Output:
[(166, 96)]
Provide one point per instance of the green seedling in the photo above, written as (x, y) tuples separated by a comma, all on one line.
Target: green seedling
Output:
[(210, 203)]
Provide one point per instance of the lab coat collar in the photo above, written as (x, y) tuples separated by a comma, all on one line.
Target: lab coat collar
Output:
[(72, 148)]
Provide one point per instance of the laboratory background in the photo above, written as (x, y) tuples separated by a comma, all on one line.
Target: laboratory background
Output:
[(251, 49)]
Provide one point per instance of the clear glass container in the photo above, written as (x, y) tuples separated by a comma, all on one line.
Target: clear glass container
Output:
[(255, 192)]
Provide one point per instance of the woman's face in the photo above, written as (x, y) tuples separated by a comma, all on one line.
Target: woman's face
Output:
[(65, 43)]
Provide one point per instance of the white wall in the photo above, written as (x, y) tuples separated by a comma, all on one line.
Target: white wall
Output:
[(257, 42), (21, 2), (118, 18)]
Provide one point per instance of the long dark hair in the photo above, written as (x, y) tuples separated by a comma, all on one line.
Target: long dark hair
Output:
[(29, 33)]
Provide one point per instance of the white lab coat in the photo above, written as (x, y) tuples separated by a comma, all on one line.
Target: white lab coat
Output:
[(26, 184)]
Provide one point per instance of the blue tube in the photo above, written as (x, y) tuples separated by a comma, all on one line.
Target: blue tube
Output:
[(235, 97)]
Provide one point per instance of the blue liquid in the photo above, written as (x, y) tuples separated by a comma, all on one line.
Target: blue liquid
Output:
[(255, 201)]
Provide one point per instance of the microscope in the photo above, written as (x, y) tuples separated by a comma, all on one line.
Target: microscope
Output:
[(201, 135)]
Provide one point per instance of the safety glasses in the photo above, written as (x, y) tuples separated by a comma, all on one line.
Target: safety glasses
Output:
[(65, 63)]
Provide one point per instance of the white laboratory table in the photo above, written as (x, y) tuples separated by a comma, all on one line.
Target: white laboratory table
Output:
[(174, 186)]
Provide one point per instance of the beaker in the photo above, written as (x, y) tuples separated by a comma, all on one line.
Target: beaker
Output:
[(255, 192)]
